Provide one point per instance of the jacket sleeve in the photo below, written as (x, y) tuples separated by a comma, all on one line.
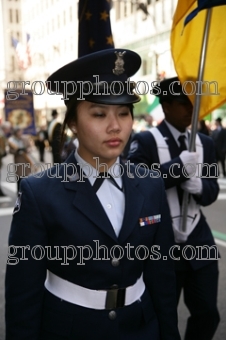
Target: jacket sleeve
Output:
[(209, 175), (160, 276), (26, 269)]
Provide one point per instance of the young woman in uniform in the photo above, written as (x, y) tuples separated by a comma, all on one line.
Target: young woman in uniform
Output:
[(89, 258)]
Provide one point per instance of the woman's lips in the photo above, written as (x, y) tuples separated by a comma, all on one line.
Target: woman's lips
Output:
[(114, 142)]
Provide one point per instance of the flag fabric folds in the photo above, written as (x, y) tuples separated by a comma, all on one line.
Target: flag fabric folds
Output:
[(20, 53), (23, 53), (186, 44), (28, 49), (204, 4), (94, 26)]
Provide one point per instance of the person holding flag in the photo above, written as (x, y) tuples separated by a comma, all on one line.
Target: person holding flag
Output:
[(164, 149)]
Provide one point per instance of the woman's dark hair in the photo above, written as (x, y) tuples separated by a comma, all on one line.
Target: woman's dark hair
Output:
[(71, 116)]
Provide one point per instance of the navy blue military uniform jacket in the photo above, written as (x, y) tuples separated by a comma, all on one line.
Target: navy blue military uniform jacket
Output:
[(219, 138), (144, 150), (54, 212)]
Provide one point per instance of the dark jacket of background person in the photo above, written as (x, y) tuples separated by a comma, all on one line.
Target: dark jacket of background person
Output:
[(54, 135), (3, 142), (203, 127), (147, 153), (20, 145), (219, 138), (5, 129), (201, 235), (196, 274), (40, 142)]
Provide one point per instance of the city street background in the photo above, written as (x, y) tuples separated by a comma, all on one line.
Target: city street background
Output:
[(215, 215)]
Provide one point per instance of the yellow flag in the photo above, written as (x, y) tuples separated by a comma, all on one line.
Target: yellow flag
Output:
[(186, 44)]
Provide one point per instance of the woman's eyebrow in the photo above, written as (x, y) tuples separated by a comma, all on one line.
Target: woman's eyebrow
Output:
[(104, 105)]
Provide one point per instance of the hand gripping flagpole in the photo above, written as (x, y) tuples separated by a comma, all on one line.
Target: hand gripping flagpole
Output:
[(195, 115)]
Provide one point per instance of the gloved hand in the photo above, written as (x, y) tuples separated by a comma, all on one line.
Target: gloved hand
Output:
[(188, 157), (192, 185), (180, 236)]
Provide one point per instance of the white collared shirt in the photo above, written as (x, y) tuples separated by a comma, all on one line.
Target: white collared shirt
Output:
[(111, 198), (176, 134)]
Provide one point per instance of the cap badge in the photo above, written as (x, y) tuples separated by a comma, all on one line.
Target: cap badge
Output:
[(119, 63)]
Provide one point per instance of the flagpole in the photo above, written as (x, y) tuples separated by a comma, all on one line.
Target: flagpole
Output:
[(196, 108)]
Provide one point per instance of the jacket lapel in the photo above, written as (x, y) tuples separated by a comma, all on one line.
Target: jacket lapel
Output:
[(86, 201), (134, 201), (173, 147)]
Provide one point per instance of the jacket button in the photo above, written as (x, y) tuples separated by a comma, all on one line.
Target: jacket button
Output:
[(114, 286), (112, 315), (115, 262)]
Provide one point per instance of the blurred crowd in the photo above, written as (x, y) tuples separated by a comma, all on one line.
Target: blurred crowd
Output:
[(14, 141)]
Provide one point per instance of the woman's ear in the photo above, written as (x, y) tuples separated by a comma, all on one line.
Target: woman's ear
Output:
[(73, 128)]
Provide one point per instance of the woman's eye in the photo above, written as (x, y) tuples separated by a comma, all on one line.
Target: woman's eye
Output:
[(99, 114), (124, 114)]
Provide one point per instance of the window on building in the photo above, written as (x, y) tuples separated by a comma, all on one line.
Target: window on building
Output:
[(17, 16), (72, 43), (125, 8), (13, 63), (18, 35), (117, 10), (172, 7), (150, 64), (144, 67), (58, 21), (64, 18), (70, 14), (11, 40), (163, 11), (10, 15)]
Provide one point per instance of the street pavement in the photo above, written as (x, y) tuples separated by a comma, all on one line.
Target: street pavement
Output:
[(216, 216)]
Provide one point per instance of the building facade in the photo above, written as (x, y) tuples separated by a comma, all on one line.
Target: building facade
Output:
[(10, 27), (53, 28)]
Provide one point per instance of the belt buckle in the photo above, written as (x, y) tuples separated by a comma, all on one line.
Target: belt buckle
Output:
[(115, 298)]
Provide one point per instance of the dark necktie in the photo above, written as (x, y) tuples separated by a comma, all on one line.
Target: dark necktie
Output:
[(182, 147), (181, 140), (99, 180)]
